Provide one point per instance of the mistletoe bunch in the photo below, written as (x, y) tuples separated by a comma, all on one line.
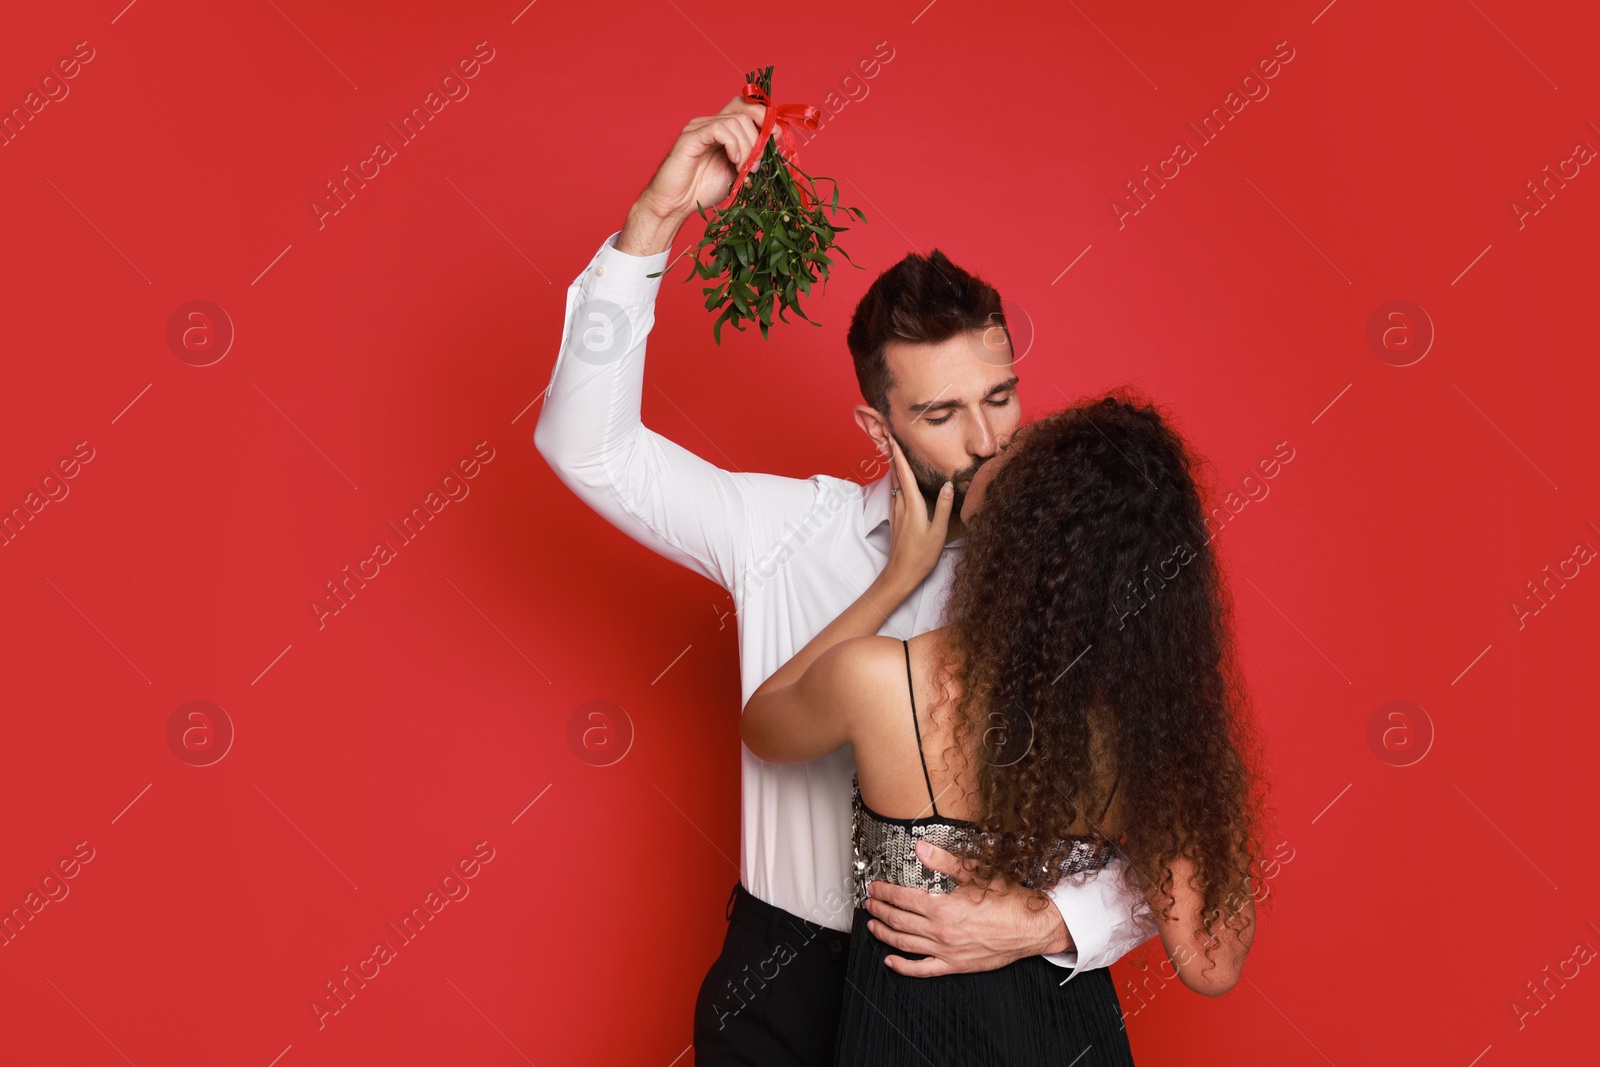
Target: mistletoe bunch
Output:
[(770, 242)]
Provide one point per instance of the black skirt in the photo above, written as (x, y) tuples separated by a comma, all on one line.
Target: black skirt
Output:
[(1019, 1014)]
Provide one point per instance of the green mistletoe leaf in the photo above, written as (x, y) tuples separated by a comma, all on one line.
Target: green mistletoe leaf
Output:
[(764, 250)]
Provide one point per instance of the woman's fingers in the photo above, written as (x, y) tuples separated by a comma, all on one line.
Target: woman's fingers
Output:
[(941, 508), (906, 479), (897, 486)]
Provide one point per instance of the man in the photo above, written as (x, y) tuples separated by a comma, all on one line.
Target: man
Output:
[(934, 362)]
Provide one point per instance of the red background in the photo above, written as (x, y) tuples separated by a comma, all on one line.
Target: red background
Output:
[(375, 352)]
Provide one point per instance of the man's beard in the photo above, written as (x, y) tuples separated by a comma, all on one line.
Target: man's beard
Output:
[(931, 479)]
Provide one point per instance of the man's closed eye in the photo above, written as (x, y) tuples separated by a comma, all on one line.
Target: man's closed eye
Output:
[(947, 418)]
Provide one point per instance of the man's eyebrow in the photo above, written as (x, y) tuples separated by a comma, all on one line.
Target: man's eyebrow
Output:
[(940, 405)]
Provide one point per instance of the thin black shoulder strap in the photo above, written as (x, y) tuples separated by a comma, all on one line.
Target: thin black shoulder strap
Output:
[(1109, 797), (918, 728)]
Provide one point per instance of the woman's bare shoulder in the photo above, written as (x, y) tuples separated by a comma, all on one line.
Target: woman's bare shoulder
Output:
[(863, 672), (862, 659)]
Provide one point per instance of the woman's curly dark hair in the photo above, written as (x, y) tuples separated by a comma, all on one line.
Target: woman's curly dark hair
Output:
[(1089, 626)]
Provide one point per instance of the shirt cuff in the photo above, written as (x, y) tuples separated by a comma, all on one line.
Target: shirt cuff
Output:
[(1106, 920), (622, 278)]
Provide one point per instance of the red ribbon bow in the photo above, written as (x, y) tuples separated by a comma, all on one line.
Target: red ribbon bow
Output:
[(783, 119)]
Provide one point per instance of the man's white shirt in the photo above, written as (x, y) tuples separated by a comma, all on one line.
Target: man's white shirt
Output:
[(795, 553)]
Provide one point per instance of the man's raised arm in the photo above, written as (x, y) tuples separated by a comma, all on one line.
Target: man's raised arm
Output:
[(589, 430)]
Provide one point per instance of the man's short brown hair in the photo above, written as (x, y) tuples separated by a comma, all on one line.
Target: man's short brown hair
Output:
[(919, 300)]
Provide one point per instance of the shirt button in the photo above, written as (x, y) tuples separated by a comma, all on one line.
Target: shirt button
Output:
[(600, 269)]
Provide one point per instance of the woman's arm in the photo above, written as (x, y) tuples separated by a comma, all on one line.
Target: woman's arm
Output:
[(1185, 940), (802, 711)]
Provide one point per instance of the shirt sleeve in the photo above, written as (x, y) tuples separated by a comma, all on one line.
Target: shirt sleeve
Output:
[(589, 430), (1105, 918)]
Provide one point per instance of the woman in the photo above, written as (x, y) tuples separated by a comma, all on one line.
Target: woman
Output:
[(1080, 703)]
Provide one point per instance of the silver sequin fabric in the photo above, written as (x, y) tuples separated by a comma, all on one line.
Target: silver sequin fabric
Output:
[(886, 849)]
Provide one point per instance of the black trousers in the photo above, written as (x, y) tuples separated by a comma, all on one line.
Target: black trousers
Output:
[(773, 997)]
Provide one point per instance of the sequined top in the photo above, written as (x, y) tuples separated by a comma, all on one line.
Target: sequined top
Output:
[(885, 848)]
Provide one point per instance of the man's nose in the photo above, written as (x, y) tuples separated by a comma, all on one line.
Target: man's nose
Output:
[(981, 442)]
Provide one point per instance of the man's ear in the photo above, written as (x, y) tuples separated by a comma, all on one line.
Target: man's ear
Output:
[(874, 426)]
